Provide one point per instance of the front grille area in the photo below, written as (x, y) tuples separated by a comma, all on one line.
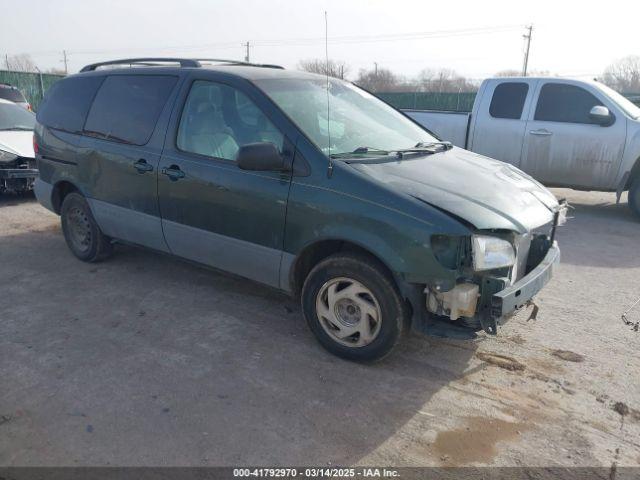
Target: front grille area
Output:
[(522, 244)]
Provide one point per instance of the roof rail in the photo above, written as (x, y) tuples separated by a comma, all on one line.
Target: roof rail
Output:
[(239, 62), (183, 62)]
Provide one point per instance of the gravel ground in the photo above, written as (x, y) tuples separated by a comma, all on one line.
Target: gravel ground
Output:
[(148, 360)]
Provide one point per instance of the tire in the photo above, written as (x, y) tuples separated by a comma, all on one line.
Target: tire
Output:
[(634, 197), (368, 314), (81, 232)]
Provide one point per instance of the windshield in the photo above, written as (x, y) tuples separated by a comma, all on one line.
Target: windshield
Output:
[(11, 94), (13, 117), (624, 103), (357, 119)]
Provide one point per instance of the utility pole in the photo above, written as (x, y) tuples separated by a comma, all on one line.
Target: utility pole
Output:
[(527, 37), (246, 57), (66, 66), (376, 69), (6, 60)]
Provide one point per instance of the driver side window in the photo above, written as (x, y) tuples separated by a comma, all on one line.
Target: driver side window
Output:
[(559, 102), (218, 119)]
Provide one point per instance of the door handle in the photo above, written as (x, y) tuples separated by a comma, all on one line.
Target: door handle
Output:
[(142, 166), (542, 132), (173, 172)]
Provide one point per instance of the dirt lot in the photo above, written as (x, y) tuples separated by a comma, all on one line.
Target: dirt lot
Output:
[(147, 360)]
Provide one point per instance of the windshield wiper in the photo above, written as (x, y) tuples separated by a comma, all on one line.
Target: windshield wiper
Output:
[(425, 145), (420, 147), (360, 151)]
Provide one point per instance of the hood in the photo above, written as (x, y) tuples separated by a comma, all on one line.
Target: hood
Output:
[(487, 193), (18, 142)]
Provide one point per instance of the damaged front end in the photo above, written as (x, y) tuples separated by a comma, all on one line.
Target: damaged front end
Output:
[(17, 174), (499, 272)]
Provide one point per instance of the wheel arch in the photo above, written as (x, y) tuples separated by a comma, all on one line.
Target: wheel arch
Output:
[(60, 190), (633, 174), (317, 251)]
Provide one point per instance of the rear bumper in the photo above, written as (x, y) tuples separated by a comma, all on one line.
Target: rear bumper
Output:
[(43, 191), (14, 173), (514, 297)]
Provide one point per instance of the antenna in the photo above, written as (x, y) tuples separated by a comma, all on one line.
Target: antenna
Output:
[(326, 71)]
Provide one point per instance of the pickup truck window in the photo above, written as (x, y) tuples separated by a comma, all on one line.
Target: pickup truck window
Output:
[(218, 119), (508, 100), (560, 102)]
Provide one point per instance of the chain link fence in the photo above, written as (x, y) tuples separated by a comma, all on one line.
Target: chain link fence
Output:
[(32, 85), (455, 102)]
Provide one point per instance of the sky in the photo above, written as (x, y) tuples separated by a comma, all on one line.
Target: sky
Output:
[(475, 38)]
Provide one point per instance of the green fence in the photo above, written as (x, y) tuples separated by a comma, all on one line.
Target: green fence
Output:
[(32, 85), (457, 102)]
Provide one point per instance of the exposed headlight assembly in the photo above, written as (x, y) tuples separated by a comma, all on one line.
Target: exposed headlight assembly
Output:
[(491, 252), (7, 157)]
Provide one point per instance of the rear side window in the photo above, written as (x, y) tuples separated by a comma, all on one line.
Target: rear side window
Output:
[(508, 100), (127, 107), (565, 103), (67, 102), (11, 94)]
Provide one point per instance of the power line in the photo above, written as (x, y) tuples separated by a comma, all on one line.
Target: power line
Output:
[(307, 41)]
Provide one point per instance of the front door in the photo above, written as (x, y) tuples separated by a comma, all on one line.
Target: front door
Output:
[(563, 147), (213, 212)]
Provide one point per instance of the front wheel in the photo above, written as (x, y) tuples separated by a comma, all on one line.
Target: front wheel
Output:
[(634, 196), (83, 235), (353, 308)]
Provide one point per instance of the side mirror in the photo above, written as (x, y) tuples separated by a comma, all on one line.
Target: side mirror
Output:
[(261, 156), (601, 115)]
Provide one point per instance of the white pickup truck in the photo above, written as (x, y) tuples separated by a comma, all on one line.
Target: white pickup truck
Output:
[(562, 132)]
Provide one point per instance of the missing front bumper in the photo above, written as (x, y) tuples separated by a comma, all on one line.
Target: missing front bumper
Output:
[(516, 296), (15, 173)]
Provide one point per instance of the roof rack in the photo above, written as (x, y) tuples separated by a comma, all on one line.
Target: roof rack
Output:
[(183, 62)]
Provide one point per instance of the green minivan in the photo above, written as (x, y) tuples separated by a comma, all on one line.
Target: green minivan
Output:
[(308, 184)]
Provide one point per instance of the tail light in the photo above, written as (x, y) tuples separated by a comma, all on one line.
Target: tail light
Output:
[(35, 144)]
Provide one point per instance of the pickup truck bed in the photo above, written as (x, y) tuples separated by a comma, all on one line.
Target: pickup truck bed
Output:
[(451, 126)]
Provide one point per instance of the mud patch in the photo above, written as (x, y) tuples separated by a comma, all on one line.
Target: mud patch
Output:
[(568, 356), (502, 361), (625, 410), (517, 339), (477, 441)]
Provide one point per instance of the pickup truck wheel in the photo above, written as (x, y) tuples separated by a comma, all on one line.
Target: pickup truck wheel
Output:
[(634, 196), (353, 307), (83, 236)]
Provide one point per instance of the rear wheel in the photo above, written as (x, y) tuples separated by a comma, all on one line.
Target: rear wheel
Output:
[(353, 307), (634, 196), (84, 238)]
